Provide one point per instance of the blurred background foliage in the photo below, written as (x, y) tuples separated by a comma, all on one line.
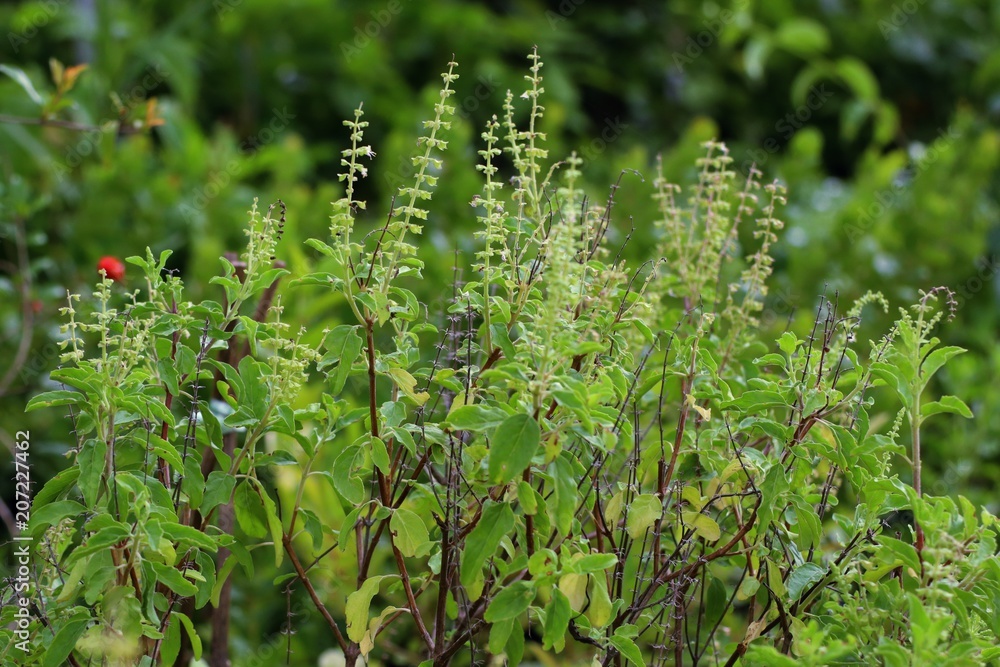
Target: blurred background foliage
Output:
[(881, 116)]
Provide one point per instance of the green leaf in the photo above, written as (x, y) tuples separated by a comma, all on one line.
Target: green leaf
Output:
[(939, 358), (475, 418), (510, 602), (273, 523), (595, 562), (859, 78), (344, 346), (513, 447), (952, 404), (803, 37), (788, 342), (21, 79), (802, 577), (103, 539), (173, 579), (564, 495), (703, 525), (65, 640), (410, 533), (91, 462), (249, 510), (345, 474), (628, 649), (499, 633), (188, 535), (557, 615), (407, 384), (643, 513), (358, 604), (482, 543), (218, 490), (53, 513), (54, 398), (380, 455)]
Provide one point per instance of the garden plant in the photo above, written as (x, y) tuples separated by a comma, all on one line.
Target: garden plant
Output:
[(583, 459)]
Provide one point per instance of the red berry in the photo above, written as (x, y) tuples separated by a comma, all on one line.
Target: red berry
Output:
[(112, 267)]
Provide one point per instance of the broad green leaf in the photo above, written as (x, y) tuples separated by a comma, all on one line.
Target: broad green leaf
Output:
[(91, 463), (273, 523), (643, 513), (557, 615), (103, 539), (380, 455), (345, 474), (952, 404), (628, 649), (499, 633), (188, 535), (65, 640), (475, 418), (407, 384), (482, 543), (173, 579), (703, 525), (514, 445), (510, 602), (564, 496), (218, 491), (53, 513), (788, 342), (574, 587), (343, 345), (249, 509), (600, 610), (54, 398), (357, 606), (368, 641), (939, 358), (410, 533), (802, 577), (596, 562)]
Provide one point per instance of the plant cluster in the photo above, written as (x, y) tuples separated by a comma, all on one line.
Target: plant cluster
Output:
[(601, 460)]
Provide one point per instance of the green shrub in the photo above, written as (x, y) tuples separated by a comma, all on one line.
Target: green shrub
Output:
[(602, 459)]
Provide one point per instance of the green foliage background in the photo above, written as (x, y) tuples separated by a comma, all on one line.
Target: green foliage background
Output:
[(881, 117)]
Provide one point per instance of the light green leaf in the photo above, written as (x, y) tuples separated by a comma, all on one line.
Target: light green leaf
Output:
[(557, 615), (513, 446), (54, 398), (218, 490), (802, 577), (64, 641), (407, 384), (564, 496), (510, 602), (21, 79), (952, 404), (343, 346), (173, 579), (475, 418), (410, 533), (483, 541), (703, 525), (628, 649), (803, 37), (643, 513), (357, 606), (249, 509)]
